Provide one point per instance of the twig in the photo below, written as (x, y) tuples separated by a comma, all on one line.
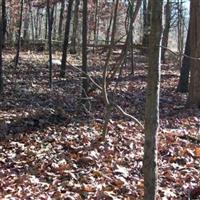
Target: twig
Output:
[(91, 79), (128, 115), (180, 54)]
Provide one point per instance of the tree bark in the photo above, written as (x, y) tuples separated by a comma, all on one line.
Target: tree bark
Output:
[(84, 51), (66, 39), (147, 24), (75, 25), (49, 18), (166, 29), (185, 69), (61, 19), (194, 87), (1, 44), (19, 33), (152, 103), (4, 21)]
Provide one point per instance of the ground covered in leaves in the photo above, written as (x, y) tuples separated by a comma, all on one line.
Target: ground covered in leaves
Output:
[(51, 147)]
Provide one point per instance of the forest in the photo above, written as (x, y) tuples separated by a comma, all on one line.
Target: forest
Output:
[(100, 99)]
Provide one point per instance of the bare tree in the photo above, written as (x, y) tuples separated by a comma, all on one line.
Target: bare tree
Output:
[(66, 39), (84, 51), (75, 26), (185, 69), (166, 29), (1, 44), (194, 87), (19, 33), (152, 102), (50, 19)]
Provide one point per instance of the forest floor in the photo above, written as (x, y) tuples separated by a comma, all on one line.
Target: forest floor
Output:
[(51, 148)]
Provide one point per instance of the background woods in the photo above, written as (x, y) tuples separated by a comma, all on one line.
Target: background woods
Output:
[(99, 99)]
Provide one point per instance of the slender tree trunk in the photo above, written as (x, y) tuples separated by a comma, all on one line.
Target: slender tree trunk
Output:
[(194, 87), (185, 69), (32, 23), (4, 20), (109, 27), (19, 34), (166, 29), (61, 19), (84, 51), (105, 72), (147, 24), (49, 17), (152, 103), (96, 20), (1, 44), (26, 25), (46, 26), (66, 39), (55, 22), (75, 25), (36, 24)]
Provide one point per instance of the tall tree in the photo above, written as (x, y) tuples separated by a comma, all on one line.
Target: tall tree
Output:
[(66, 39), (84, 50), (146, 22), (152, 102), (61, 18), (185, 69), (50, 20), (4, 20), (194, 87), (1, 44), (166, 29), (75, 26), (19, 33)]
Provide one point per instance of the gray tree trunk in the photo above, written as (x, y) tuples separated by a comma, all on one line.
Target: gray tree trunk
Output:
[(152, 102), (194, 87)]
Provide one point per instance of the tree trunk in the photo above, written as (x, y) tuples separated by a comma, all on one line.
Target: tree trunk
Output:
[(152, 103), (4, 20), (49, 18), (1, 44), (75, 25), (95, 21), (147, 24), (166, 29), (61, 19), (109, 26), (26, 25), (19, 33), (185, 69), (55, 23), (194, 87), (32, 23), (84, 51), (66, 39)]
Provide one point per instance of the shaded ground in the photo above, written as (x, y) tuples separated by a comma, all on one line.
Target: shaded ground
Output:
[(51, 148)]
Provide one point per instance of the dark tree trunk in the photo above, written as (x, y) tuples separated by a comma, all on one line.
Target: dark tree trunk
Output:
[(74, 31), (166, 29), (49, 18), (185, 69), (4, 21), (66, 39), (147, 24), (152, 103), (194, 87), (61, 19), (19, 34), (1, 45), (84, 51)]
